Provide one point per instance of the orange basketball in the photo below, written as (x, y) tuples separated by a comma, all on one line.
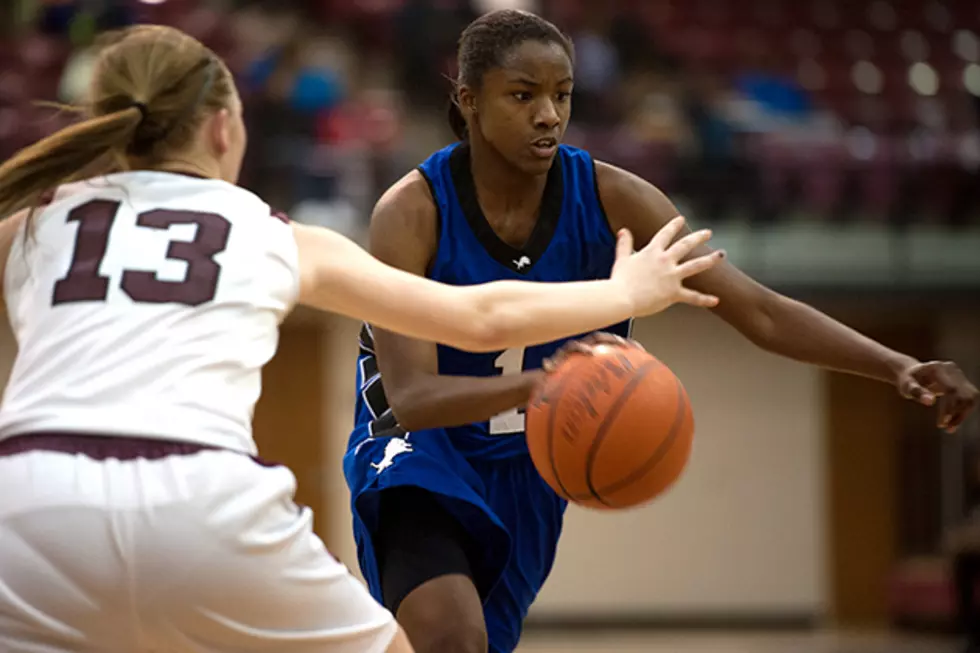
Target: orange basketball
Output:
[(612, 429)]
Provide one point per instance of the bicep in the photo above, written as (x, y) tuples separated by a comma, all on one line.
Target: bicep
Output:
[(408, 247)]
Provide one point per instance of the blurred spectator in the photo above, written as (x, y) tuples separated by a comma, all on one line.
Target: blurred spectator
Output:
[(718, 179), (290, 88), (597, 70), (739, 118), (653, 109), (426, 33)]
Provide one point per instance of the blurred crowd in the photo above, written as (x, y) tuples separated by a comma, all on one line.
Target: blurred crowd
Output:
[(762, 110)]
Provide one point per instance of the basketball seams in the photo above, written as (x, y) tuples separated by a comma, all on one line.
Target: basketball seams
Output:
[(611, 414), (551, 434), (661, 450)]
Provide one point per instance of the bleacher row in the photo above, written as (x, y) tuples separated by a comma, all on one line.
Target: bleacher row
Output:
[(897, 84)]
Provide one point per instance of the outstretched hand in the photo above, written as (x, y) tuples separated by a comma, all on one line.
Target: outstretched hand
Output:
[(654, 276), (944, 383)]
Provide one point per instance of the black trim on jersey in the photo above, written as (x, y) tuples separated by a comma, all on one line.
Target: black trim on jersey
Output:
[(386, 426), (435, 203), (598, 197), (383, 421), (544, 229), (365, 339), (374, 395)]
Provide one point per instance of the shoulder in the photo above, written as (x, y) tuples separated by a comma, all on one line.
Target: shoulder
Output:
[(239, 204), (613, 180), (405, 222), (407, 205), (628, 198), (10, 229)]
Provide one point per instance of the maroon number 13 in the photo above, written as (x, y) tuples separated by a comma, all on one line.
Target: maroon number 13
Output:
[(83, 283)]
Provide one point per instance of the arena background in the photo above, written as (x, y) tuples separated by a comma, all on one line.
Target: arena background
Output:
[(832, 145)]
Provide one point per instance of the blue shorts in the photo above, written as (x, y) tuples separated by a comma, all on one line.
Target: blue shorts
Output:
[(502, 503)]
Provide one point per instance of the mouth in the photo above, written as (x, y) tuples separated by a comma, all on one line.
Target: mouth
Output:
[(545, 147)]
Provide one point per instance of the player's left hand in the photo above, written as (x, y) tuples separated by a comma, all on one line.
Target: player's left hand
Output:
[(586, 345), (942, 382)]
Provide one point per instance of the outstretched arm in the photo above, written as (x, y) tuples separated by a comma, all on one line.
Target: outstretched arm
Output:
[(403, 235), (782, 325)]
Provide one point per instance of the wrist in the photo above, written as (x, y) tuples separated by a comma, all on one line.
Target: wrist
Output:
[(625, 293), (898, 364), (531, 380)]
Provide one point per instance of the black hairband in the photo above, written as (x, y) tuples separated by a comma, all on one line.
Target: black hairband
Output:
[(142, 146), (144, 112)]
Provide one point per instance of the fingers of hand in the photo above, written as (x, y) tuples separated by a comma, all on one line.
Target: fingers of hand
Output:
[(955, 408), (624, 244), (700, 264), (667, 234), (683, 247), (918, 393), (573, 347), (602, 337), (694, 298)]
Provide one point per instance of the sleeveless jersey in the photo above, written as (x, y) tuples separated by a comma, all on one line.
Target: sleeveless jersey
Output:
[(572, 241), (145, 304)]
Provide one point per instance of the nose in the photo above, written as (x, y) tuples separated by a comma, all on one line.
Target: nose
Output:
[(546, 117)]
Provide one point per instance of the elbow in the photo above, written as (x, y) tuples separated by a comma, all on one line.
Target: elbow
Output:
[(490, 330), (408, 410), (487, 321), (762, 324)]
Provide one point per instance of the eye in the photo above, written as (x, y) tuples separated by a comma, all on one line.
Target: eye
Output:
[(564, 96), (522, 96)]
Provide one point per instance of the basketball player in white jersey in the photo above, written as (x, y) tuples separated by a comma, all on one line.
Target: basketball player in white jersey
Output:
[(133, 514)]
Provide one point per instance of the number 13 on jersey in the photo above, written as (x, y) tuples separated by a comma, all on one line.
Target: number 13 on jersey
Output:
[(512, 421)]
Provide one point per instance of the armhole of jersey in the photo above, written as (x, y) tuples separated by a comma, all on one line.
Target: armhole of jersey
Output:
[(283, 217), (598, 197), (18, 245), (435, 203)]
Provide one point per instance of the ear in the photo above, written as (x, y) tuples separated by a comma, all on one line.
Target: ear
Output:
[(220, 128), (467, 101)]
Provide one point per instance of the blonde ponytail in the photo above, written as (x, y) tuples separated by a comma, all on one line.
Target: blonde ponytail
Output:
[(90, 147)]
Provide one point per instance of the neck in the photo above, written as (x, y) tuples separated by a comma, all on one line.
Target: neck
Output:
[(499, 184)]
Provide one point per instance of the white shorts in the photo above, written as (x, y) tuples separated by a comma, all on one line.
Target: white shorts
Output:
[(191, 552)]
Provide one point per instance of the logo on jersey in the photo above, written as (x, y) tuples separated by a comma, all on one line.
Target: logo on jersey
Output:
[(522, 263), (394, 448)]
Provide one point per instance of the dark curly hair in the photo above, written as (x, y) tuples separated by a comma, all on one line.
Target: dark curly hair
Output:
[(487, 40)]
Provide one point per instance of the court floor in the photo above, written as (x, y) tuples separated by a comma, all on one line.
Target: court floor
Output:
[(734, 643)]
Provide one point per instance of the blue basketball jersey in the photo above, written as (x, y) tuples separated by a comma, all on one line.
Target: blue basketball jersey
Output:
[(572, 241)]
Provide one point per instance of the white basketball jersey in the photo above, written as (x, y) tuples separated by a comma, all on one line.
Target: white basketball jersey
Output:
[(145, 304)]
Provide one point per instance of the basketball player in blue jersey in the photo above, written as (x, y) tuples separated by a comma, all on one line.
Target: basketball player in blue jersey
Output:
[(456, 532)]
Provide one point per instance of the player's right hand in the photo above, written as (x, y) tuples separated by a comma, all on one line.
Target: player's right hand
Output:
[(654, 276), (587, 345)]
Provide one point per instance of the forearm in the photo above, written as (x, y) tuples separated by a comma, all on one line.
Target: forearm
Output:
[(800, 332), (532, 313), (435, 401)]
